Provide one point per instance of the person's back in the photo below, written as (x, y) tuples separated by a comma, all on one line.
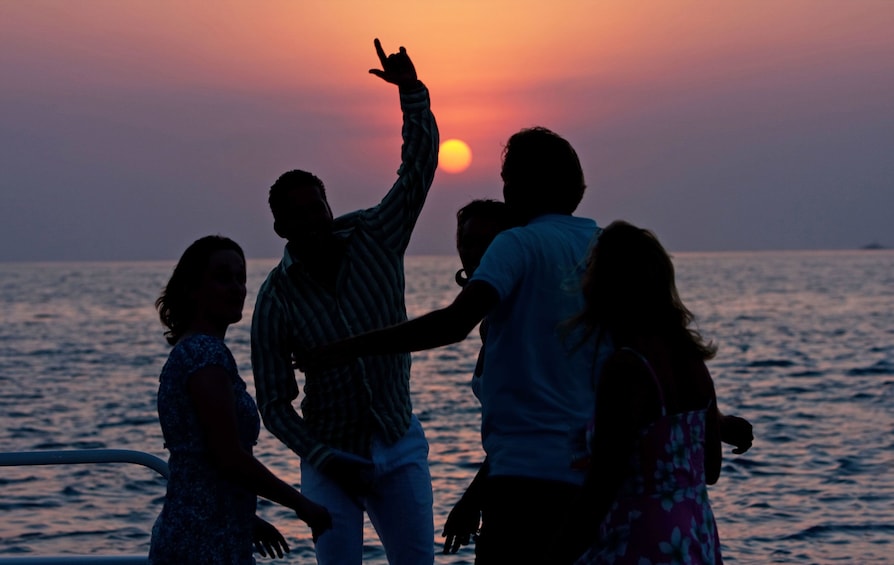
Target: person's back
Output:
[(538, 393), (210, 423), (197, 486), (542, 186), (656, 442), (661, 504)]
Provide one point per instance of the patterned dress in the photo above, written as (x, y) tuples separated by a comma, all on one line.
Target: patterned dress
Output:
[(662, 514), (206, 518)]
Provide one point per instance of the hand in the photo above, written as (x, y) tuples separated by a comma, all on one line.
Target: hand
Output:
[(461, 525), (736, 431), (267, 539), (315, 516), (352, 473), (397, 68)]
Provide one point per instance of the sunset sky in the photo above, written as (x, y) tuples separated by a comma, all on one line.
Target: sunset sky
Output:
[(130, 128)]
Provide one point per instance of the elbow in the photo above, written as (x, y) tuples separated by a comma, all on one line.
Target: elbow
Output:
[(457, 333), (456, 324)]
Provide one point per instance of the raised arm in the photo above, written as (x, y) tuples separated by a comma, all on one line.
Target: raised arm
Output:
[(398, 211)]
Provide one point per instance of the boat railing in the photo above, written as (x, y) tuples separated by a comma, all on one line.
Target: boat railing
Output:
[(78, 456)]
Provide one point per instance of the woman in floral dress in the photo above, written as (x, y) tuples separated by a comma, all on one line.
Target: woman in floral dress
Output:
[(210, 423), (656, 440)]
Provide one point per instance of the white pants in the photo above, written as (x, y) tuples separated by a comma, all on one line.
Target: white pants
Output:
[(399, 506)]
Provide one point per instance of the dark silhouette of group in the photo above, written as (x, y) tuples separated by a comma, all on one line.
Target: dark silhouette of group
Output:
[(600, 423)]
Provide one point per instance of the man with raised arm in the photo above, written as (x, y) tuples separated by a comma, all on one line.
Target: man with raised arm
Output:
[(361, 447), (536, 388)]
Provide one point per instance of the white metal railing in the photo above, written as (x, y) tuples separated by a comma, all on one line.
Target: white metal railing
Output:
[(77, 456)]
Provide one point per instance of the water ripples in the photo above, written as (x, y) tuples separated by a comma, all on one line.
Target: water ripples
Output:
[(805, 353)]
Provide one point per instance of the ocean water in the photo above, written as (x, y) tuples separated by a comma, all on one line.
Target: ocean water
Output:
[(806, 353)]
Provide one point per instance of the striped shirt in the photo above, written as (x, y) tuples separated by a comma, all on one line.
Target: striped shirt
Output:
[(344, 406)]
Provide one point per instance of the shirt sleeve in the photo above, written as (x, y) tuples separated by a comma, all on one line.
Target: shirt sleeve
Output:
[(503, 264), (275, 384), (200, 351), (395, 216)]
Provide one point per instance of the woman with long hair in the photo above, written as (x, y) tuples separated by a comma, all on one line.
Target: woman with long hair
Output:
[(210, 423), (656, 438)]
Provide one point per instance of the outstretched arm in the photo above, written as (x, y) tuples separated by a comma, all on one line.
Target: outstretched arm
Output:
[(395, 216), (435, 329)]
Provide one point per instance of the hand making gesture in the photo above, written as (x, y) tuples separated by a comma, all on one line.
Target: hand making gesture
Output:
[(397, 68)]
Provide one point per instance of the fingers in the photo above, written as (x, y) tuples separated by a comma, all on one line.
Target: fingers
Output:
[(275, 546), (379, 51), (454, 542), (739, 450), (282, 546), (452, 545)]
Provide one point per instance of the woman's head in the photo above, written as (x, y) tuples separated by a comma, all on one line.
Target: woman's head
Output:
[(629, 288), (208, 284), (477, 224)]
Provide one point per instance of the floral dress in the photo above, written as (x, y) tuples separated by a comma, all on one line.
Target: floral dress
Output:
[(206, 518), (662, 514)]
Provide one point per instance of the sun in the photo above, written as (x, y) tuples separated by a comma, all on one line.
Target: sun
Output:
[(454, 156)]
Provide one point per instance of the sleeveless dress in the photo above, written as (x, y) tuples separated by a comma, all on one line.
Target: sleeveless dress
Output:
[(662, 514), (206, 518)]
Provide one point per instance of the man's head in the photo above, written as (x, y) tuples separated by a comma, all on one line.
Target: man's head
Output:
[(541, 174), (300, 209)]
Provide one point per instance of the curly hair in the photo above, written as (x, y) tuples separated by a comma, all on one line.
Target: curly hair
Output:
[(544, 169), (629, 290), (174, 305)]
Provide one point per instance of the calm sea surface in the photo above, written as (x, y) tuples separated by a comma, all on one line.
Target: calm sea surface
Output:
[(806, 353)]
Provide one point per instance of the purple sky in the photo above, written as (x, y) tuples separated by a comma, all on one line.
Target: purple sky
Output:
[(129, 129)]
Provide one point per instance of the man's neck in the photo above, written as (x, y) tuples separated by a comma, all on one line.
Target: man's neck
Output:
[(321, 257)]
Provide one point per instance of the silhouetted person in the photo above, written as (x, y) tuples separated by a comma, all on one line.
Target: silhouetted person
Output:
[(210, 423), (656, 439), (337, 277), (536, 391), (477, 224)]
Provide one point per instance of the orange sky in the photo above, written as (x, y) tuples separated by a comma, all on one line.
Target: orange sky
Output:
[(254, 88)]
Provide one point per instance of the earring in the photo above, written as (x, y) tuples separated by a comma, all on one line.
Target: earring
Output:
[(461, 278)]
